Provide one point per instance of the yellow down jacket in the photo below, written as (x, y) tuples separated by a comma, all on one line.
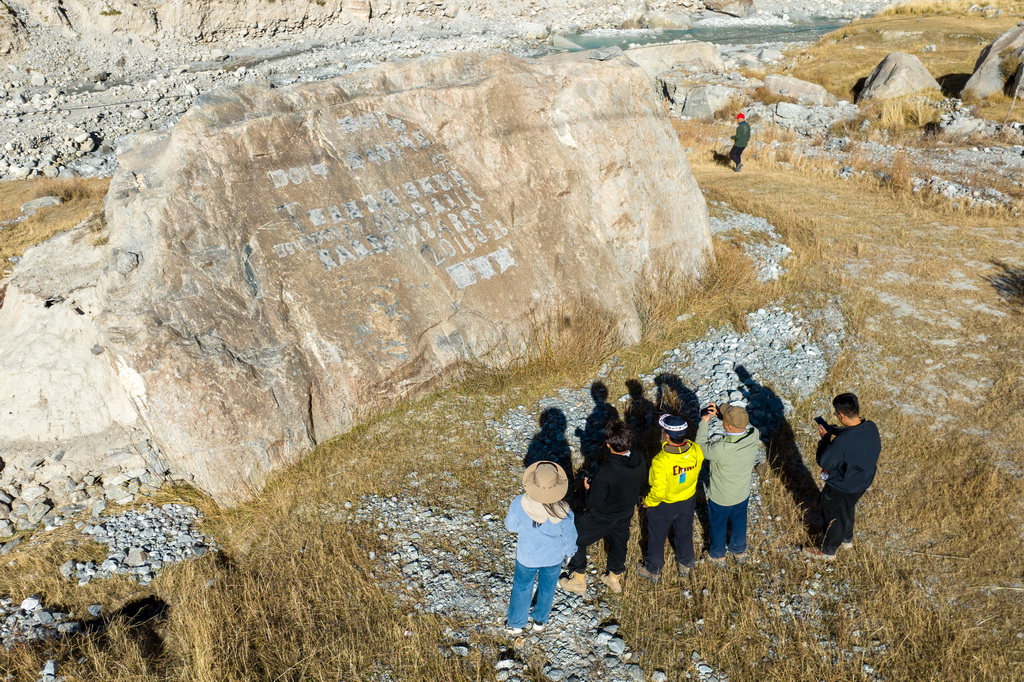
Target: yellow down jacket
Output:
[(673, 475)]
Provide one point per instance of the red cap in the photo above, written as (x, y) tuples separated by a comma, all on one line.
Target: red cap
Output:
[(740, 116)]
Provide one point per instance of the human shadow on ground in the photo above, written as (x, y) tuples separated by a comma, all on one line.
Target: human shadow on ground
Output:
[(592, 438), (141, 620), (1008, 282), (767, 412), (550, 444)]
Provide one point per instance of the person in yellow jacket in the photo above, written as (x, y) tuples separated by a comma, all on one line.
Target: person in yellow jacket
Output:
[(669, 504)]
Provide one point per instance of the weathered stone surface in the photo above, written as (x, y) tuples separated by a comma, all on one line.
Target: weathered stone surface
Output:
[(704, 101), (669, 21), (657, 59), (12, 30), (1017, 82), (810, 93), (306, 255), (736, 8), (898, 75), (988, 77)]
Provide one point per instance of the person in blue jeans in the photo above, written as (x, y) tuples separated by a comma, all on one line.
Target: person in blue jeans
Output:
[(731, 465), (547, 536)]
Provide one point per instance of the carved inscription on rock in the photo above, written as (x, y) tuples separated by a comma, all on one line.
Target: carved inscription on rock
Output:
[(412, 201)]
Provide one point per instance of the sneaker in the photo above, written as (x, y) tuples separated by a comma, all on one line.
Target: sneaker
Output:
[(515, 632), (815, 553), (575, 583), (682, 570), (847, 544), (738, 168), (537, 627), (740, 558), (717, 560), (644, 573), (611, 581)]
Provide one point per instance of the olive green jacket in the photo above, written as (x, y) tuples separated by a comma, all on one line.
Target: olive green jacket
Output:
[(742, 136), (731, 462)]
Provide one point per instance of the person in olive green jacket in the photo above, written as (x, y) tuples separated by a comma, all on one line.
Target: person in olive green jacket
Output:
[(731, 461), (740, 141), (670, 503)]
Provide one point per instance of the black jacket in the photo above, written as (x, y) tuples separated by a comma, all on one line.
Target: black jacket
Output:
[(851, 457), (615, 489)]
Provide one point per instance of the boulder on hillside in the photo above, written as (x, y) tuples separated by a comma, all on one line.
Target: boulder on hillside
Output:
[(988, 77), (735, 8), (803, 91), (898, 75), (12, 30), (1017, 82), (704, 101), (285, 262), (695, 56)]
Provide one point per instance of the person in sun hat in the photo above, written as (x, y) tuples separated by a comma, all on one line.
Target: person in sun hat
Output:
[(670, 503), (739, 141), (731, 461), (547, 535)]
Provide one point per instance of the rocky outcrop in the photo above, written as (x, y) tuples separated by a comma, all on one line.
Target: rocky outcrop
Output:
[(898, 75), (802, 91), (988, 77), (736, 8), (694, 56), (287, 261), (12, 29)]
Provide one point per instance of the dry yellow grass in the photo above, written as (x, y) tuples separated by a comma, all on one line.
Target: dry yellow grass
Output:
[(935, 575), (82, 199), (841, 60)]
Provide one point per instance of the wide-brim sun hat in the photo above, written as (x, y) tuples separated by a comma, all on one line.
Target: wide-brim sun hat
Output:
[(545, 482)]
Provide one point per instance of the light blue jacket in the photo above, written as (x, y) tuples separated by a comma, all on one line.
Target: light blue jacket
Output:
[(544, 545)]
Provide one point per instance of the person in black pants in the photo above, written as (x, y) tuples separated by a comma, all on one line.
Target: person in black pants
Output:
[(848, 457), (611, 496), (740, 141)]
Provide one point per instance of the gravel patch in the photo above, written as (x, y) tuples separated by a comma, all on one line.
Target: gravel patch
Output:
[(31, 621), (766, 255)]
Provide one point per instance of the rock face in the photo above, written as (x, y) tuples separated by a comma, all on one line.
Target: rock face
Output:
[(897, 75), (704, 101), (736, 8), (286, 261), (803, 91), (988, 77), (696, 56), (12, 29)]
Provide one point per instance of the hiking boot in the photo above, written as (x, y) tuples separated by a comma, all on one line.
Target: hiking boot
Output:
[(738, 168), (847, 544), (575, 583), (682, 570), (611, 581), (644, 573), (740, 558), (815, 553), (717, 560)]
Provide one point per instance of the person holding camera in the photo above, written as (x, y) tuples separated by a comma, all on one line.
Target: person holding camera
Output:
[(848, 457), (731, 463), (611, 495)]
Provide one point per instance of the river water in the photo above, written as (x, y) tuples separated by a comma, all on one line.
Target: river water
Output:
[(719, 32)]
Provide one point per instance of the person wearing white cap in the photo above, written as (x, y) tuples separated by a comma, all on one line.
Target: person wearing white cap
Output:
[(670, 503), (547, 536)]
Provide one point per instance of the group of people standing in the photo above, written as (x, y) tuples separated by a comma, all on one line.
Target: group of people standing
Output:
[(551, 532)]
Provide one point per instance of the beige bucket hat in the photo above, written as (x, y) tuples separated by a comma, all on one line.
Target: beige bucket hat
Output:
[(545, 482)]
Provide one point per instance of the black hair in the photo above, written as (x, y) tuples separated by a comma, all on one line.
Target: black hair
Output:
[(847, 405), (617, 435)]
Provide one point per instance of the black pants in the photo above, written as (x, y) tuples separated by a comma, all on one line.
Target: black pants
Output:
[(677, 515), (735, 153), (589, 530), (837, 510)]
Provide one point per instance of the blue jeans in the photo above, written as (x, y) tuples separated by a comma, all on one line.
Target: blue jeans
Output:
[(523, 595), (718, 518)]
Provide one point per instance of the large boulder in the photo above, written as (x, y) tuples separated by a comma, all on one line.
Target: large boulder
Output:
[(286, 261), (898, 75), (989, 77), (693, 56), (669, 21), (735, 8), (802, 91), (704, 101)]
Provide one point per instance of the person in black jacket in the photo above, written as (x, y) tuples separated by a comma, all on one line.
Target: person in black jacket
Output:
[(612, 496), (848, 457)]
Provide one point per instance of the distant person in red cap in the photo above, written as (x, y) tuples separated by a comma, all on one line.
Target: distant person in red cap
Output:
[(740, 141)]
